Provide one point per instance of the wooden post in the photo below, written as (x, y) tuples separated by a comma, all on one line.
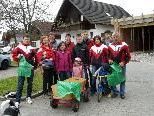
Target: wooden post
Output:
[(143, 38), (149, 38), (138, 39), (133, 41)]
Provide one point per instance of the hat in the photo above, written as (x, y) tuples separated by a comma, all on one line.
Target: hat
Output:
[(78, 59)]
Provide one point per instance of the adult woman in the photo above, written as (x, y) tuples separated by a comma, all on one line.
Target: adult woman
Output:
[(46, 59), (98, 56)]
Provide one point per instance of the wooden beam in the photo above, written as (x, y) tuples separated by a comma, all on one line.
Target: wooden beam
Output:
[(143, 37), (149, 38)]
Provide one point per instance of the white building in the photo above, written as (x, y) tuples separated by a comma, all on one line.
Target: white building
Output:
[(76, 16)]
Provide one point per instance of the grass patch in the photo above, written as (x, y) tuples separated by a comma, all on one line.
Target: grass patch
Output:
[(10, 84), (14, 64)]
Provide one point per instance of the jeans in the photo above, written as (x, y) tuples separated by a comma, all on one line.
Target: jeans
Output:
[(47, 80), (20, 85), (93, 80), (122, 85), (63, 75)]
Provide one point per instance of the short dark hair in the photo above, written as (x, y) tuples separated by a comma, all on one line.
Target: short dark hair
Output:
[(26, 35), (97, 36), (68, 34), (60, 44), (107, 31), (78, 34)]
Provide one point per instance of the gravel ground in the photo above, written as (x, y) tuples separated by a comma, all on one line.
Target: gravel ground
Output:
[(12, 71), (143, 57), (139, 98)]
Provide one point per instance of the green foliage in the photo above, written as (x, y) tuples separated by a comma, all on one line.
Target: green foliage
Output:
[(10, 84)]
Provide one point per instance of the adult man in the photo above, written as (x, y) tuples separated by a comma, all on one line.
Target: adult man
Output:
[(69, 45), (108, 37), (24, 54), (53, 41), (86, 40), (81, 51), (119, 53), (53, 45)]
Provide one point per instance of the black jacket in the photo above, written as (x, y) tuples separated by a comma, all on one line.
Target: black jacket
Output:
[(81, 51)]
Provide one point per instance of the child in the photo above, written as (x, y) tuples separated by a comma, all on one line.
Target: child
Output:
[(77, 68), (63, 62)]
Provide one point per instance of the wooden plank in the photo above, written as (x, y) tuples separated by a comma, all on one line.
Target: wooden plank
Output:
[(143, 37), (149, 38)]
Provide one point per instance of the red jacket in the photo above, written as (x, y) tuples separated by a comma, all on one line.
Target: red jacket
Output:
[(89, 43), (48, 51), (99, 54), (24, 50), (63, 61), (70, 46), (119, 52)]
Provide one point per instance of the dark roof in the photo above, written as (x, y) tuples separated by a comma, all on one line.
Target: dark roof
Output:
[(44, 27), (97, 12)]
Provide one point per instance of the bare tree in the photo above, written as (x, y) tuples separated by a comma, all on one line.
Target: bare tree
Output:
[(17, 14)]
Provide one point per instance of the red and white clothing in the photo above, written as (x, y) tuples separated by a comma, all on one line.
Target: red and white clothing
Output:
[(70, 47), (24, 50), (98, 54), (49, 54), (119, 52)]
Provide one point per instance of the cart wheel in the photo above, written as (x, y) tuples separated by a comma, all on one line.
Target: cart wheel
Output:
[(86, 97), (53, 104), (75, 106), (99, 95)]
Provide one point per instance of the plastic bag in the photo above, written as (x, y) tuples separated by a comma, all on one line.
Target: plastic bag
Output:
[(66, 88), (116, 77), (24, 69)]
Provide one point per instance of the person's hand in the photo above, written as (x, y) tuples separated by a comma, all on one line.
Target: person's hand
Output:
[(121, 64), (110, 61), (19, 56), (51, 59)]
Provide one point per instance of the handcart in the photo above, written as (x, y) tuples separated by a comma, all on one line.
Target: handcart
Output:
[(69, 100)]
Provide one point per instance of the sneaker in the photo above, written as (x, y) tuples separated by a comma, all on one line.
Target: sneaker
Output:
[(17, 104), (122, 96), (114, 95), (29, 100)]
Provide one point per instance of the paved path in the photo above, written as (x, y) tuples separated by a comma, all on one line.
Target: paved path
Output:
[(139, 99), (12, 71)]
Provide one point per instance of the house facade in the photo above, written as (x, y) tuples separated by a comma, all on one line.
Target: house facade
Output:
[(76, 16), (137, 31)]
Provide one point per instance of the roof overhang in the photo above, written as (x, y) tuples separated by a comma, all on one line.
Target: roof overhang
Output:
[(137, 21)]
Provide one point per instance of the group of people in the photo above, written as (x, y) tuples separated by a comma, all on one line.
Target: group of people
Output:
[(64, 60)]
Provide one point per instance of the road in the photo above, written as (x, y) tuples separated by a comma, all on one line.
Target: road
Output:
[(11, 71), (139, 99)]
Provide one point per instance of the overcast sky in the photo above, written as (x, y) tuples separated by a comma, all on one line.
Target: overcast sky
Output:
[(135, 7)]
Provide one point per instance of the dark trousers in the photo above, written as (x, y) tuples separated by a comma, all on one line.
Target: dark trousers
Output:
[(20, 85), (87, 76), (48, 78), (55, 76), (63, 75)]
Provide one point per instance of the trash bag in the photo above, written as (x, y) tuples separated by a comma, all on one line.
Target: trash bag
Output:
[(116, 77), (24, 69), (65, 88)]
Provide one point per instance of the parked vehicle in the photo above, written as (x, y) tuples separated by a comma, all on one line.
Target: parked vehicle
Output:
[(5, 60)]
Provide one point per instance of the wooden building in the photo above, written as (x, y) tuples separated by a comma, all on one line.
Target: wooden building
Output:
[(137, 31), (76, 16)]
